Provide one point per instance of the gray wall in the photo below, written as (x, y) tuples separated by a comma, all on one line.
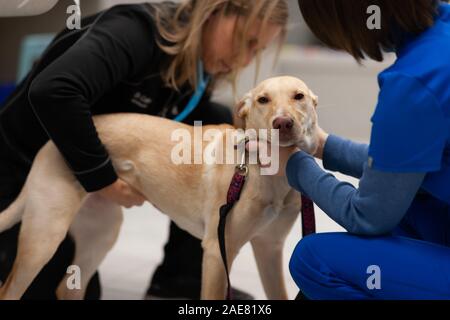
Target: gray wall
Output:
[(13, 30)]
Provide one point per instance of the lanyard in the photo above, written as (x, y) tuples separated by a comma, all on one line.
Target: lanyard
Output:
[(202, 84)]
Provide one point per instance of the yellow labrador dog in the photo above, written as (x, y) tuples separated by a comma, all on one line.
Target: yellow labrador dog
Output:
[(53, 203)]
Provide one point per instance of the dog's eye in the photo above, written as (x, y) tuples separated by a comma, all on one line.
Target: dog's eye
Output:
[(263, 100), (299, 96)]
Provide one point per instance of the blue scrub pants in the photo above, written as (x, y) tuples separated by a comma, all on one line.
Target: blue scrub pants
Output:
[(411, 263)]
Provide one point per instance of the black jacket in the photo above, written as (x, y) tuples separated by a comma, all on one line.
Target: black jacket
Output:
[(111, 65)]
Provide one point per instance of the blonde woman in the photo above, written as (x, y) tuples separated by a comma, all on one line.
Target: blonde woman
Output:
[(158, 59)]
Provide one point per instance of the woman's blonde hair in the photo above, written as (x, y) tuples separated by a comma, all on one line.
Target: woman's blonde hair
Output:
[(181, 32)]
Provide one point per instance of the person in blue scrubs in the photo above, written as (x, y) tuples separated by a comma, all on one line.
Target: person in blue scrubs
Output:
[(398, 219)]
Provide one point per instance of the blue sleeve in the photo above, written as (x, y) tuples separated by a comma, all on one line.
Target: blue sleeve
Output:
[(345, 156), (409, 127), (375, 208)]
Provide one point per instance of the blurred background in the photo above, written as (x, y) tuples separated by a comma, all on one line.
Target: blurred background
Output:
[(347, 93)]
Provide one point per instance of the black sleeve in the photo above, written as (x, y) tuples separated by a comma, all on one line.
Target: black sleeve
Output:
[(213, 113), (118, 46)]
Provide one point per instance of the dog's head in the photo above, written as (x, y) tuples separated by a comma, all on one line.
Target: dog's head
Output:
[(285, 104)]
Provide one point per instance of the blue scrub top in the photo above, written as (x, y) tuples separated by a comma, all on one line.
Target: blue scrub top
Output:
[(411, 123)]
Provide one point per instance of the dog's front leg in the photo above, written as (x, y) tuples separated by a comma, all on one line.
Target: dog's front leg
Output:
[(268, 250), (213, 271), (269, 259)]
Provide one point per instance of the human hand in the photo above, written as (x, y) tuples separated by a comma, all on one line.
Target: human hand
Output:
[(123, 194), (284, 153), (322, 139)]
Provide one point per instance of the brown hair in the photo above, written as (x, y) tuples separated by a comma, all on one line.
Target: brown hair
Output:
[(182, 31), (342, 24)]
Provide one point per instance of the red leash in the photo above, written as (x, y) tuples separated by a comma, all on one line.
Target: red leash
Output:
[(308, 217), (234, 192), (233, 195)]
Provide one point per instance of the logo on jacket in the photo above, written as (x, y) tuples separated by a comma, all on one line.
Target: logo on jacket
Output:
[(141, 100)]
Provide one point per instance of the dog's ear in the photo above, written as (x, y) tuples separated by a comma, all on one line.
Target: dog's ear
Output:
[(314, 98), (242, 109)]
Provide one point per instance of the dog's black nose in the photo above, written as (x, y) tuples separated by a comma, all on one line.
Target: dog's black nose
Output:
[(284, 124)]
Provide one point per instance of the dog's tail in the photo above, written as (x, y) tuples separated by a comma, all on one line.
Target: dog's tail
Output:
[(13, 214)]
